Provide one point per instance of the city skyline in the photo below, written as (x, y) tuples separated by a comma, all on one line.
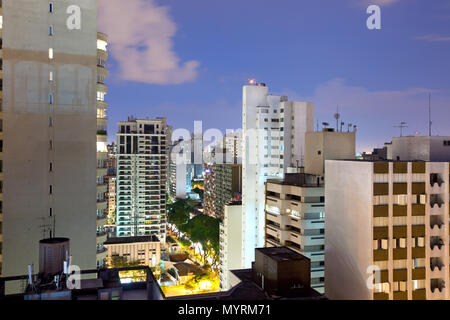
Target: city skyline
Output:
[(188, 72)]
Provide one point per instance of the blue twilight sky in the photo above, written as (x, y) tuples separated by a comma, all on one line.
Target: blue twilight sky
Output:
[(188, 59)]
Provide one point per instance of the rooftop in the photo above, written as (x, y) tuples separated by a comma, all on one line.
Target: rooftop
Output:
[(281, 253), (119, 240)]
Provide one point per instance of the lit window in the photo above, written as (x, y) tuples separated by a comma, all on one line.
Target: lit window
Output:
[(101, 45), (50, 53), (1, 22), (50, 76)]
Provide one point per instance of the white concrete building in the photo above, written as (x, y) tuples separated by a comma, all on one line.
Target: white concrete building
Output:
[(425, 148), (295, 218), (142, 161), (273, 131), (231, 237), (49, 120), (387, 224)]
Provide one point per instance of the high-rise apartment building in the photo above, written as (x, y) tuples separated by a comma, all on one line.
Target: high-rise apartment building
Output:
[(295, 208), (50, 75), (222, 184), (295, 218), (273, 132), (142, 161)]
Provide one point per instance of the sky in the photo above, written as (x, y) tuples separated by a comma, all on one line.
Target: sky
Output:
[(187, 60)]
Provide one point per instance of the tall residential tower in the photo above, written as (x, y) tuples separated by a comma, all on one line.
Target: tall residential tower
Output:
[(142, 161), (273, 133), (49, 114)]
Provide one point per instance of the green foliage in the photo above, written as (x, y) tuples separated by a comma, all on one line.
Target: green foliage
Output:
[(122, 262), (200, 192), (178, 213)]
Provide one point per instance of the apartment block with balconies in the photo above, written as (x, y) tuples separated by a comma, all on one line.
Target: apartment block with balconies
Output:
[(222, 184), (295, 211), (142, 164), (387, 230)]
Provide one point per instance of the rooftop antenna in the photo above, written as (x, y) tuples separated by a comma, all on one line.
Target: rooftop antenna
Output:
[(430, 123), (342, 124), (348, 127), (325, 124), (317, 126), (401, 126), (337, 116)]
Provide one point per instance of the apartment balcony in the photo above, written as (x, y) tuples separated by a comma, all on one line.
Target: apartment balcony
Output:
[(102, 254), (400, 295), (437, 286), (318, 272), (308, 224), (380, 296), (101, 221), (102, 188), (314, 256), (380, 255), (419, 294), (418, 210), (101, 204), (303, 241), (102, 88), (102, 172), (101, 237)]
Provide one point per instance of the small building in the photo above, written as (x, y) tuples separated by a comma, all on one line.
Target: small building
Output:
[(145, 249)]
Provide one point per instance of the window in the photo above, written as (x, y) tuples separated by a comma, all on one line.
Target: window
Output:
[(50, 53), (50, 7), (50, 189), (447, 143), (50, 98), (50, 30), (50, 76)]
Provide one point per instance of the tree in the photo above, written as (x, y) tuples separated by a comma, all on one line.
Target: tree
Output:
[(205, 230)]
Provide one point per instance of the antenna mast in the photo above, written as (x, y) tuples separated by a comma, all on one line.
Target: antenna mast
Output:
[(401, 126), (430, 123), (337, 116)]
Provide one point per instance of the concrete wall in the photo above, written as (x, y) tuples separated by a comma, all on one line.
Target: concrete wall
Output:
[(322, 146), (27, 134), (420, 148), (348, 229)]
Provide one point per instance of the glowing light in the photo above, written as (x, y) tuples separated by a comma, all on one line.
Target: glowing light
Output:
[(252, 81)]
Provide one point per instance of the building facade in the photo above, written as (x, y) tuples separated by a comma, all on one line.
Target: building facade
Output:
[(230, 257), (295, 218), (49, 106), (400, 234), (222, 184), (143, 249), (102, 150), (142, 162), (273, 133)]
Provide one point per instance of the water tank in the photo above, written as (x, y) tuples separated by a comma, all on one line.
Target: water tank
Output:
[(52, 254)]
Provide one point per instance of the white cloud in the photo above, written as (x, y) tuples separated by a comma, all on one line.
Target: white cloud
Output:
[(140, 33)]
